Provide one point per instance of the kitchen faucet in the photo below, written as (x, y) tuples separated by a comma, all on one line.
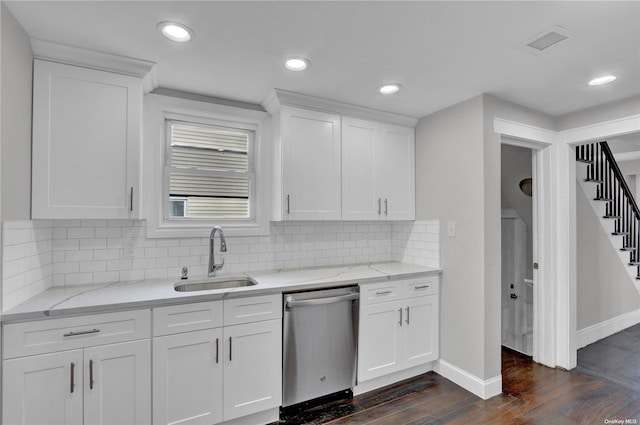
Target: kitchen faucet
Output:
[(213, 267)]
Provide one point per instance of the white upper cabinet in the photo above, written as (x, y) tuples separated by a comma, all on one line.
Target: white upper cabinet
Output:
[(378, 169), (359, 190), (310, 165), (86, 142), (395, 172), (332, 166)]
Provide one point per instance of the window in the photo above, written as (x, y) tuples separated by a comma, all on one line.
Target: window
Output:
[(209, 171), (205, 164)]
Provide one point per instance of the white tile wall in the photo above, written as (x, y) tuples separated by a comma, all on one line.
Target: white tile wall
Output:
[(27, 260), (417, 242), (40, 254)]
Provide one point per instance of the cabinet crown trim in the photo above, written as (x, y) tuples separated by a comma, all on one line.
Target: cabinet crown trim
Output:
[(281, 97), (108, 62)]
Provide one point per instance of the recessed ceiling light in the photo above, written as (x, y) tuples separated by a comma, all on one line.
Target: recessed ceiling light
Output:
[(296, 64), (175, 32), (602, 80), (390, 88)]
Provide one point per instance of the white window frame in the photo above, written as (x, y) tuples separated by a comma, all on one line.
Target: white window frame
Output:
[(158, 110)]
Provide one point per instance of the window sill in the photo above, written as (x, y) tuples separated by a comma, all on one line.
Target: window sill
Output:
[(202, 230)]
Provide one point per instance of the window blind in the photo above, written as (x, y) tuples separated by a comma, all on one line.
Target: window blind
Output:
[(209, 167)]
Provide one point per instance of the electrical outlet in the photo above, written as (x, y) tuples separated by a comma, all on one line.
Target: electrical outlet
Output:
[(129, 249)]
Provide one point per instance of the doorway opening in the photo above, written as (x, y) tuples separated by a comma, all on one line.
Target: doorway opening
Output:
[(517, 236)]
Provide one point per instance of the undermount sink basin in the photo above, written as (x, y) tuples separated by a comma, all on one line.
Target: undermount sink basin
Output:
[(211, 284)]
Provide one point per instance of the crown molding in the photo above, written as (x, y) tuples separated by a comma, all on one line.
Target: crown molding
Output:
[(78, 56), (281, 97)]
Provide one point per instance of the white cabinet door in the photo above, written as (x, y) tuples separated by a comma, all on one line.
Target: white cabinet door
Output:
[(379, 341), (311, 165), (86, 143), (395, 167), (187, 378), (360, 199), (43, 389), (253, 368), (420, 328), (117, 383)]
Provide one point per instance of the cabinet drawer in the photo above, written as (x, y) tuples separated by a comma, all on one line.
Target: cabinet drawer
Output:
[(381, 292), (187, 317), (422, 286), (44, 336), (252, 309)]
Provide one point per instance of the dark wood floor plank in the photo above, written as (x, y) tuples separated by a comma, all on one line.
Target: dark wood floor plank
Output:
[(532, 394)]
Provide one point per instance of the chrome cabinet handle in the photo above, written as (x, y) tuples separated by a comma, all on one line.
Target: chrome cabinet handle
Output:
[(379, 206), (217, 350), (92, 331), (400, 322), (90, 374), (384, 292), (131, 199), (421, 287), (230, 349), (288, 204), (73, 369), (407, 315), (386, 206)]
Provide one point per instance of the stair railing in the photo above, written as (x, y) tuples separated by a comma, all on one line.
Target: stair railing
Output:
[(614, 191)]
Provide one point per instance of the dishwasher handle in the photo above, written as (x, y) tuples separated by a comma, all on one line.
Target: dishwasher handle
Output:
[(291, 303)]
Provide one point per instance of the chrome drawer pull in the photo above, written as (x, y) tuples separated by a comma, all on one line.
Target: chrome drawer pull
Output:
[(92, 331), (400, 322), (384, 293), (407, 315), (421, 287), (90, 374), (73, 369), (230, 349), (217, 349)]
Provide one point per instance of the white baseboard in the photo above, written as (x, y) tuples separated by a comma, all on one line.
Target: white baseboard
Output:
[(484, 389), (607, 328), (392, 378)]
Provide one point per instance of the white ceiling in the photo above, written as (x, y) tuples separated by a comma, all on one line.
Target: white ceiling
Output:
[(441, 52)]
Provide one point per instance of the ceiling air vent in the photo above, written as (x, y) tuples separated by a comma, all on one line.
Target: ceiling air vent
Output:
[(549, 38)]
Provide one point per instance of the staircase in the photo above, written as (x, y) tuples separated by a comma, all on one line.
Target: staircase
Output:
[(612, 200)]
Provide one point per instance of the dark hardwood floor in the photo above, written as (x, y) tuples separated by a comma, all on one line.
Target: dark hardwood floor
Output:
[(532, 394)]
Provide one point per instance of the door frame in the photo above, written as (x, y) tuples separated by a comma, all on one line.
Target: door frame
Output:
[(555, 282)]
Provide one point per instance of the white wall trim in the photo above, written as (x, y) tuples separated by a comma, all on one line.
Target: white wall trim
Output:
[(282, 97), (77, 56), (617, 127), (484, 389), (530, 136), (601, 330)]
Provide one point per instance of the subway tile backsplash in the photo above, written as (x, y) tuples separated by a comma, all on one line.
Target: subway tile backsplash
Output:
[(39, 254)]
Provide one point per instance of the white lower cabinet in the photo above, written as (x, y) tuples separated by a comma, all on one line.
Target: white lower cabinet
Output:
[(187, 378), (109, 384), (44, 389), (253, 368), (217, 373), (398, 326)]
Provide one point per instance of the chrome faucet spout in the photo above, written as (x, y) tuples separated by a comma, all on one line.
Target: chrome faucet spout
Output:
[(213, 267)]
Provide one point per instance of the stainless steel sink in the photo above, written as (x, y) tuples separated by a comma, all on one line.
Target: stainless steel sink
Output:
[(212, 284)]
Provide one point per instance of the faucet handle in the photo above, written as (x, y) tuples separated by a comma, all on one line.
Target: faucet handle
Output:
[(185, 273), (218, 266)]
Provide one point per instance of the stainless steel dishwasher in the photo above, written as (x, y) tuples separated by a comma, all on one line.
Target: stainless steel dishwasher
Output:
[(319, 343)]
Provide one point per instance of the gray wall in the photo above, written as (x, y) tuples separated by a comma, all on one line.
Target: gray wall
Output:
[(604, 289), (17, 68), (458, 179), (515, 166), (611, 111), (449, 174)]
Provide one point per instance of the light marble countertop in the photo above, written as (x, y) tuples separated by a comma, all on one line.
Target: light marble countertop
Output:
[(84, 299)]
